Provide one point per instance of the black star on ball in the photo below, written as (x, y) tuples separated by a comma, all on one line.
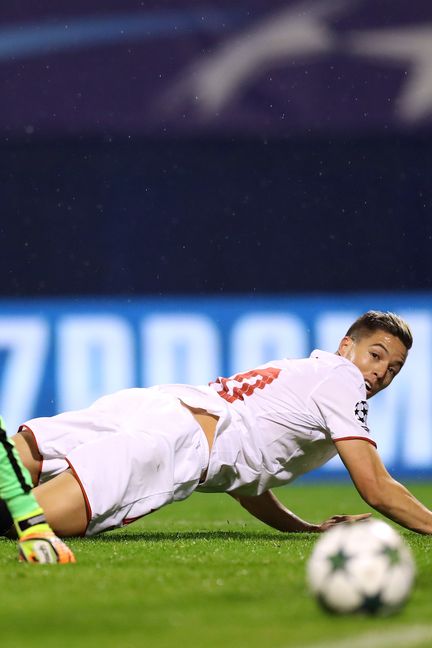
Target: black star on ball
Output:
[(372, 604), (338, 560), (392, 554)]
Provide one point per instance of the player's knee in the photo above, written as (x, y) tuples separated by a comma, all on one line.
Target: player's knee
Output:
[(26, 447)]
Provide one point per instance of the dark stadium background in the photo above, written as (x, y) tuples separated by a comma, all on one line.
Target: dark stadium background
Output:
[(198, 216), (105, 208)]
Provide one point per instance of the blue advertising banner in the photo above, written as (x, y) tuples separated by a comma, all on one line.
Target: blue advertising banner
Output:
[(192, 67), (62, 354)]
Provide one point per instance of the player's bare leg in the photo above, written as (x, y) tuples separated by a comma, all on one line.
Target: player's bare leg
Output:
[(63, 502), (36, 540), (29, 454), (61, 498)]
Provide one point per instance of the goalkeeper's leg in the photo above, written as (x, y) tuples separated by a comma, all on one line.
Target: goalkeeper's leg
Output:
[(36, 540)]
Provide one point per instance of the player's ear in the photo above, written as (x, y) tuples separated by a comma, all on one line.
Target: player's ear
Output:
[(345, 346)]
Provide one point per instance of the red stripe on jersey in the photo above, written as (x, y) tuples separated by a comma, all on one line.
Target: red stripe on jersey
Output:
[(355, 437), (127, 520), (86, 499), (244, 384)]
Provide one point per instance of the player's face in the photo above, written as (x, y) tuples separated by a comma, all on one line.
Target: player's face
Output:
[(379, 356)]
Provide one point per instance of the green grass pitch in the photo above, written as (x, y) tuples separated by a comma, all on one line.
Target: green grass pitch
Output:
[(202, 573)]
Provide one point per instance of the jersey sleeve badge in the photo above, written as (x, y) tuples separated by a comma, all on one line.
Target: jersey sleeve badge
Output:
[(361, 411)]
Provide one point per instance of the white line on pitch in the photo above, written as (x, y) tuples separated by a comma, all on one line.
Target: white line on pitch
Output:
[(400, 637)]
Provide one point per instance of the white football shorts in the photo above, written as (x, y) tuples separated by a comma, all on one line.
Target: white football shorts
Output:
[(131, 452)]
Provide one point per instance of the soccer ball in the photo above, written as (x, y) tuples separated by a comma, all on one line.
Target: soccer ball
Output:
[(361, 567)]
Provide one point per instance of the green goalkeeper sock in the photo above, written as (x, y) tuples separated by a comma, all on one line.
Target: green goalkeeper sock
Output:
[(15, 481)]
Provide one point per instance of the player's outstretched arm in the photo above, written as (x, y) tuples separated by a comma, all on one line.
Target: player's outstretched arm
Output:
[(379, 489), (271, 511), (37, 543)]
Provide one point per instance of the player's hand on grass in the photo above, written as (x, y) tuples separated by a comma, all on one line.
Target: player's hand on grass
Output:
[(337, 519), (44, 547), (37, 542)]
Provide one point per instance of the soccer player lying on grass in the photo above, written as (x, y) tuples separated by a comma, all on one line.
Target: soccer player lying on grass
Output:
[(37, 541), (138, 449)]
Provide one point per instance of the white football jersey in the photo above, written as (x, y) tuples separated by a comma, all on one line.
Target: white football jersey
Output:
[(279, 421)]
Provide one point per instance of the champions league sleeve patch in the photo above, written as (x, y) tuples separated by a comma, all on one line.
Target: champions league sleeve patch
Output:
[(361, 411)]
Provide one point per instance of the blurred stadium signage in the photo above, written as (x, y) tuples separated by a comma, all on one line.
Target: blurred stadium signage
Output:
[(59, 355)]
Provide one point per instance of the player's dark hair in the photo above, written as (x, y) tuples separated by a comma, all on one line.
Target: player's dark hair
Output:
[(372, 321)]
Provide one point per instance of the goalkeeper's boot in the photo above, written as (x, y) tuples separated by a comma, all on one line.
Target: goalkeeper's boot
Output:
[(38, 543)]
